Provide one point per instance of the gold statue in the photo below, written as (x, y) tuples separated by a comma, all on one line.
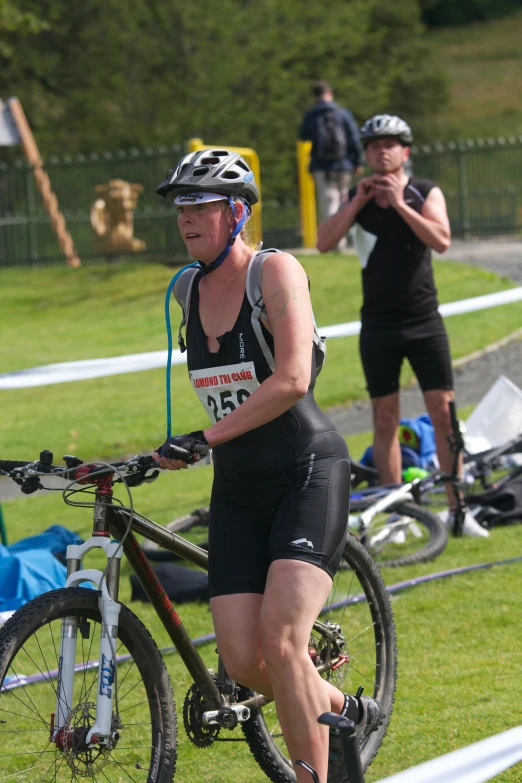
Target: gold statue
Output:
[(112, 217)]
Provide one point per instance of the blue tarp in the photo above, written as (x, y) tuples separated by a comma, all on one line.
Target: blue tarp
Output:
[(30, 567)]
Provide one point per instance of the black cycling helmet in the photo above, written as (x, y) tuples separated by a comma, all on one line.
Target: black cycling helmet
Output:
[(214, 171), (386, 125)]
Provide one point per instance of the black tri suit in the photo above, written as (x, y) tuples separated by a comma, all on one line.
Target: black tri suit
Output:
[(399, 316), (280, 491)]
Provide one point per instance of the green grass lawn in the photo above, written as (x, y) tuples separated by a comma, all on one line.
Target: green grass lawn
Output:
[(483, 62), (459, 640), (460, 665), (56, 315)]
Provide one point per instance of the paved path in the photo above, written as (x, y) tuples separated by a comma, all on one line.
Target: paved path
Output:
[(503, 256), (472, 381)]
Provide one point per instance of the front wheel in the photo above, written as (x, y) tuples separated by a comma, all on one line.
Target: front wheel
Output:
[(358, 616), (403, 534), (144, 744)]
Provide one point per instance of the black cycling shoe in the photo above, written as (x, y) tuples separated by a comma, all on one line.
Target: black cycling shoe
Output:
[(370, 720)]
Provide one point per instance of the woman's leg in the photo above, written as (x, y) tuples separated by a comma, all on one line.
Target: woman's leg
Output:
[(236, 623), (295, 594)]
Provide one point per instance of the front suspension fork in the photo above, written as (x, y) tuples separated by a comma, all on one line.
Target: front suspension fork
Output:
[(100, 732)]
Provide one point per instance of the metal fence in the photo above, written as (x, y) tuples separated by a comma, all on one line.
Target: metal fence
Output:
[(26, 236), (481, 180)]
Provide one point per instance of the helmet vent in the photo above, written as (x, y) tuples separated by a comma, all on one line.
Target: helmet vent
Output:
[(243, 165), (230, 175), (220, 153), (200, 171), (209, 161)]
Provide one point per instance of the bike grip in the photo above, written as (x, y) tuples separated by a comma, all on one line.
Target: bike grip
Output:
[(9, 465), (180, 453), (202, 448)]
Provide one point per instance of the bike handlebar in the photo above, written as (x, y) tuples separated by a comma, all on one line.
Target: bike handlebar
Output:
[(7, 466), (74, 467)]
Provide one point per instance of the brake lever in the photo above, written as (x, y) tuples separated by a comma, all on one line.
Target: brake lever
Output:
[(29, 485), (137, 479)]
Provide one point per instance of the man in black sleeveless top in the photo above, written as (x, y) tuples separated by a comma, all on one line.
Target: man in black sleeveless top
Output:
[(395, 222)]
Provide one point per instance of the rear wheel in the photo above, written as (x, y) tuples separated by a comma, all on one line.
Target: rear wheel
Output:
[(143, 747), (402, 535), (359, 618)]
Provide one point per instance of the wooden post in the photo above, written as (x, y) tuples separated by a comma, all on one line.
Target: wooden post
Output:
[(43, 183)]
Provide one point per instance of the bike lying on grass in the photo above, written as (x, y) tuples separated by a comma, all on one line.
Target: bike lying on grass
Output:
[(84, 690), (413, 534)]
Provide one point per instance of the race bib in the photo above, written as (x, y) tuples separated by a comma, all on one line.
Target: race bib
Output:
[(222, 389)]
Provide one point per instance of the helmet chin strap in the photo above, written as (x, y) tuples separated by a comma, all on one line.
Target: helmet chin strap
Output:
[(207, 268)]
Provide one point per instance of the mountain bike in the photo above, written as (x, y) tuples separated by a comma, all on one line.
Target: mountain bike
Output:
[(84, 690)]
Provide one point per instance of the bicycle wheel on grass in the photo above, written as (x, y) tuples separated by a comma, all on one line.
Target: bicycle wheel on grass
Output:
[(403, 534), (360, 606), (144, 715)]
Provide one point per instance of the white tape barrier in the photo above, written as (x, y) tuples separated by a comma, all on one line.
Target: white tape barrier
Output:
[(117, 365), (89, 368), (474, 764), (451, 308)]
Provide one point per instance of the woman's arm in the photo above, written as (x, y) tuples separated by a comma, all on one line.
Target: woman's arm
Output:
[(288, 306)]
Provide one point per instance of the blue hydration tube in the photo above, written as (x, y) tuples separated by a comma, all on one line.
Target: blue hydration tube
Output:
[(206, 269)]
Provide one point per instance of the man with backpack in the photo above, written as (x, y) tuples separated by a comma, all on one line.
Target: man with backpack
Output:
[(336, 150)]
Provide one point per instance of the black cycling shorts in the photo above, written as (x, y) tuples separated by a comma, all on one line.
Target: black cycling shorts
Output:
[(425, 345), (298, 512)]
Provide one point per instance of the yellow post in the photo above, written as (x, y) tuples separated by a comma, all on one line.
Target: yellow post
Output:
[(307, 206), (252, 158)]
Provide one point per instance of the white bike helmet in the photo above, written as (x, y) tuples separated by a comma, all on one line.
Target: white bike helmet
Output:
[(214, 171), (386, 125), (211, 171)]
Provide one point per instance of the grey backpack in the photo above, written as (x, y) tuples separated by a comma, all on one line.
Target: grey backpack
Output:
[(183, 288)]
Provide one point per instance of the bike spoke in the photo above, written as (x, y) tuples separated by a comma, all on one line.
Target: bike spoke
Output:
[(115, 761), (121, 698), (32, 709), (83, 689), (20, 772), (138, 704)]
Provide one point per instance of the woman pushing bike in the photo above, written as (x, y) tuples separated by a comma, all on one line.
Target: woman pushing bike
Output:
[(280, 497)]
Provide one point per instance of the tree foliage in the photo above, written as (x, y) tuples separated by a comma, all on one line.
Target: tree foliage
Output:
[(109, 74), (451, 13)]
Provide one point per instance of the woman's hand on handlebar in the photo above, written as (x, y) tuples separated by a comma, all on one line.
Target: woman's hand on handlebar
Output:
[(180, 451), (169, 464)]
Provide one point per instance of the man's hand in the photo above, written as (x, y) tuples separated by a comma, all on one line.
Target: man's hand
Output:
[(365, 191), (389, 188)]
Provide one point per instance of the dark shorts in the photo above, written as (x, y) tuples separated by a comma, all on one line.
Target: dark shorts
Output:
[(299, 512), (424, 344)]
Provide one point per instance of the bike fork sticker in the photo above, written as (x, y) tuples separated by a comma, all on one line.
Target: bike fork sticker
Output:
[(107, 676)]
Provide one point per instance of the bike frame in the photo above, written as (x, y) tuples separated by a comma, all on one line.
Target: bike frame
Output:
[(110, 521)]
